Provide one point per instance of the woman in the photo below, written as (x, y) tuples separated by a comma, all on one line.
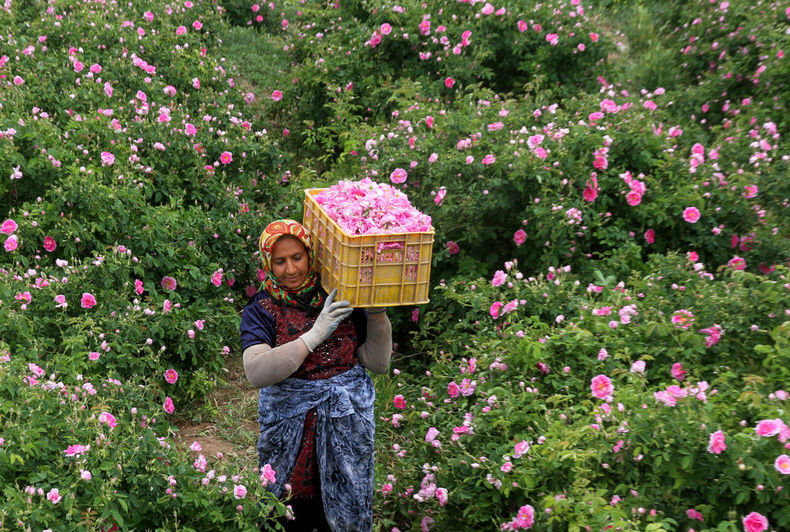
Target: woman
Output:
[(306, 352)]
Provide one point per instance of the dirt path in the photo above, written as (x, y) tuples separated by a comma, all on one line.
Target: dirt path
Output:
[(232, 429)]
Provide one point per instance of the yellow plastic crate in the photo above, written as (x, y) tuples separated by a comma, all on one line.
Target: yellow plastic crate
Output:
[(369, 270)]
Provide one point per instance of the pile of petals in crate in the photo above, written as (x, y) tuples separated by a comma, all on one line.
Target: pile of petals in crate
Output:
[(366, 208)]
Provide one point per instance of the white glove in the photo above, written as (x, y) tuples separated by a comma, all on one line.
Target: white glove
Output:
[(332, 314)]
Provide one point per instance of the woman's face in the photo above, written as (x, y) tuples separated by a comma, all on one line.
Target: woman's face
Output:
[(290, 262)]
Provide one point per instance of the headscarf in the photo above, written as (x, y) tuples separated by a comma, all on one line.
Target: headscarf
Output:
[(309, 295)]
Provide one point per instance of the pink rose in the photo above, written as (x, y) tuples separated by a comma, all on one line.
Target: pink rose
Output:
[(50, 244), (782, 464), (239, 491), (716, 444), (525, 517), (601, 387), (11, 243), (452, 247), (453, 390), (398, 176), (650, 236), (494, 309), (768, 427), (88, 300), (737, 263), (53, 496), (449, 82), (520, 449), (677, 371), (441, 496), (268, 474), (226, 157), (168, 405), (691, 215), (107, 158), (168, 283), (431, 434), (755, 522), (171, 376), (399, 402), (277, 95), (519, 237), (8, 227), (694, 514)]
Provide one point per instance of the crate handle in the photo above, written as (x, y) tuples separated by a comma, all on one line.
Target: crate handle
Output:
[(390, 245)]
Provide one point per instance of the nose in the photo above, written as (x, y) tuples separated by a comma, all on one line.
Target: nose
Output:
[(290, 266)]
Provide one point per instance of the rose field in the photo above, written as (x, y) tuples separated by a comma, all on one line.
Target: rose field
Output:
[(607, 344)]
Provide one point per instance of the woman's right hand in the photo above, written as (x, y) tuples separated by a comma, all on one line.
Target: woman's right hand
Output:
[(332, 314)]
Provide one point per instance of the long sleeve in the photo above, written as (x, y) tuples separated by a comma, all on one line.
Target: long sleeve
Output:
[(265, 365), (375, 353)]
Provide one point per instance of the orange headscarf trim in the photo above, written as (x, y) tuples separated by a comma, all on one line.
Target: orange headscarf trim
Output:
[(276, 230)]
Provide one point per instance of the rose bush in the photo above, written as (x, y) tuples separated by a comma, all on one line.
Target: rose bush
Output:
[(586, 401), (90, 453)]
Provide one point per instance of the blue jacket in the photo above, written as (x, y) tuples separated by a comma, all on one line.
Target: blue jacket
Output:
[(345, 429)]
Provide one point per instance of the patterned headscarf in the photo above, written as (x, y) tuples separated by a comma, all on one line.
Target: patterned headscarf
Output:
[(307, 296)]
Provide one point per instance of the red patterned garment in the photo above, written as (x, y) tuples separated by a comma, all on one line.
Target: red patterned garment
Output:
[(334, 356)]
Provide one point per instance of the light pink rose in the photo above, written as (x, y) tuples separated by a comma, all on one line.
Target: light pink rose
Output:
[(168, 405), (11, 243), (107, 158), (398, 176), (782, 464), (54, 496), (716, 443)]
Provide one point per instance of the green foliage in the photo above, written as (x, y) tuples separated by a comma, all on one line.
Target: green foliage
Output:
[(592, 462), (129, 473)]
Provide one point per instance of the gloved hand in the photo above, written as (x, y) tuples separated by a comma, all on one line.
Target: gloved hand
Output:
[(332, 314)]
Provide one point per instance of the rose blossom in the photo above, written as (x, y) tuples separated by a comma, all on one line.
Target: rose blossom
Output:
[(239, 491), (398, 176), (691, 215), (8, 227), (54, 496), (601, 387), (171, 376), (755, 522), (88, 300), (168, 283), (168, 405), (716, 444)]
